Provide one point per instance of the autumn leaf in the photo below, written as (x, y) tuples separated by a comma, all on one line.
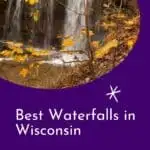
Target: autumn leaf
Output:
[(32, 2), (29, 49), (18, 50), (95, 44), (129, 22), (100, 53), (6, 53), (121, 16), (24, 72), (130, 44), (84, 32), (107, 25), (14, 44), (68, 42), (20, 58), (40, 53), (36, 16)]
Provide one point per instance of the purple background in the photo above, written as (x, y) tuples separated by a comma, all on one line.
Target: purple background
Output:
[(132, 77)]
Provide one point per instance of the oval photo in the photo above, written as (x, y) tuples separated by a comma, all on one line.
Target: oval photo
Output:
[(53, 44)]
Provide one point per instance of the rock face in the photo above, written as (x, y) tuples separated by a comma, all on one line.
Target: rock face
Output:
[(3, 6)]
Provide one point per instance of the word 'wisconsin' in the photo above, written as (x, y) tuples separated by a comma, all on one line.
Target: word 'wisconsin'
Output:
[(61, 114)]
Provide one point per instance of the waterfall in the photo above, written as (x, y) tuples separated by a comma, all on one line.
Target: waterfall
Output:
[(45, 23), (42, 29), (49, 23), (7, 18), (13, 20), (75, 22)]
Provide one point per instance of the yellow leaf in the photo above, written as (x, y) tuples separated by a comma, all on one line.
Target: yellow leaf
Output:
[(129, 22), (32, 2), (108, 25), (31, 65), (40, 53), (130, 44), (95, 44), (100, 53), (67, 42), (18, 50), (30, 49), (6, 53), (24, 72), (83, 31), (18, 45), (121, 16), (36, 15), (20, 58), (13, 45)]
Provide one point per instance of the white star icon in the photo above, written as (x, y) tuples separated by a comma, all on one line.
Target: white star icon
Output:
[(113, 93)]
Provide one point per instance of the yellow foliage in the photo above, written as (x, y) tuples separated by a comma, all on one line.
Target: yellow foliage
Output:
[(18, 45), (40, 53), (9, 42), (32, 2), (6, 53), (29, 49), (100, 53), (95, 44), (68, 42), (20, 58), (24, 72), (13, 45), (18, 50), (83, 31), (36, 15), (108, 25), (35, 52), (130, 22), (121, 16), (34, 65), (130, 44)]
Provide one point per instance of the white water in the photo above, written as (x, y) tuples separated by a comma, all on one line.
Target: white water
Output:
[(75, 21), (13, 21)]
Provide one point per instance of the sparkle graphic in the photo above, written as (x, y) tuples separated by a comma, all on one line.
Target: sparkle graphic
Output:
[(112, 94)]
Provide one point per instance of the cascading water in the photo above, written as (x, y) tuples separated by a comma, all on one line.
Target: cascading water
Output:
[(7, 20), (49, 24), (75, 22), (36, 22), (13, 20), (44, 23)]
